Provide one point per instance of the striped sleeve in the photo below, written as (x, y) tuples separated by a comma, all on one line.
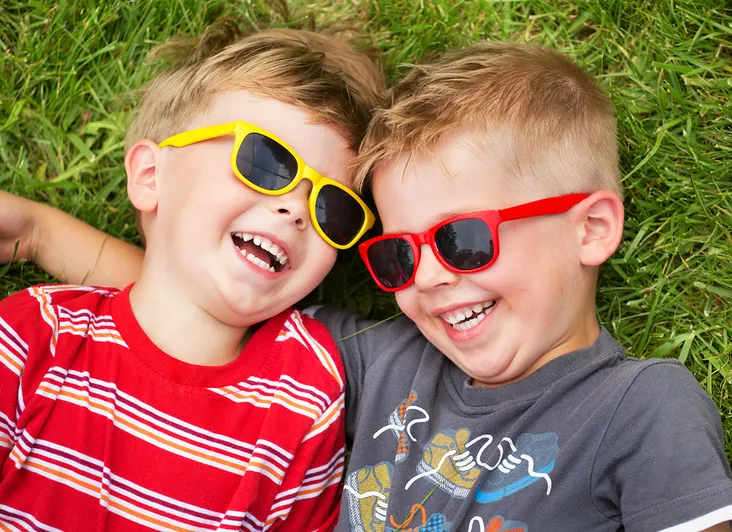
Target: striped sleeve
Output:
[(309, 498), (316, 499), (18, 314), (29, 328)]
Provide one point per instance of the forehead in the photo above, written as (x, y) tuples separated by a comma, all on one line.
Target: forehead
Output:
[(321, 146), (416, 191)]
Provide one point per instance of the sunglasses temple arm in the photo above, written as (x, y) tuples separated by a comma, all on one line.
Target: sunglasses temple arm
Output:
[(541, 207), (199, 135)]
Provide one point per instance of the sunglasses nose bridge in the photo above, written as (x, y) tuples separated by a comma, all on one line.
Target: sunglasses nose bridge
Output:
[(430, 272), (294, 204), (311, 175)]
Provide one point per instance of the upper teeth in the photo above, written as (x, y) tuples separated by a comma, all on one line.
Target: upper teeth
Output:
[(266, 244), (457, 318)]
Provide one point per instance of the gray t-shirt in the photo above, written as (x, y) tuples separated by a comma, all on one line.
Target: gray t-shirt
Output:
[(592, 441)]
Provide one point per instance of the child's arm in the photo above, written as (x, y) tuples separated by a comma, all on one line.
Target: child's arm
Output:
[(316, 503), (63, 246), (360, 342), (355, 338), (309, 495)]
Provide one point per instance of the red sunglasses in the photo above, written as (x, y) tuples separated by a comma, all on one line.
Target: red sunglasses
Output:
[(465, 243)]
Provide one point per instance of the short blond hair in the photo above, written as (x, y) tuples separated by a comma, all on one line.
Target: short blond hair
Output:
[(559, 121), (321, 74)]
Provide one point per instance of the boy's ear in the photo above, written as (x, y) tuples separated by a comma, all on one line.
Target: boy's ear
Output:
[(142, 164), (601, 226)]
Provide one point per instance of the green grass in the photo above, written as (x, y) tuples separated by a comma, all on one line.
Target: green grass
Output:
[(69, 73)]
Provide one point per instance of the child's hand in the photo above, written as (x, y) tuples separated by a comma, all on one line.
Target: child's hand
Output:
[(17, 227)]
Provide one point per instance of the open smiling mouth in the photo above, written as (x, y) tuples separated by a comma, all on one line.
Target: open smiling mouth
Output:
[(469, 316), (261, 251)]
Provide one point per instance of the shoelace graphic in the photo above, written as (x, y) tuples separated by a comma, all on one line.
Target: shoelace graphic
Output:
[(381, 506), (399, 427), (463, 462)]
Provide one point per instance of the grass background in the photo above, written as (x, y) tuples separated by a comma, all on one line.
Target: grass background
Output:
[(69, 71)]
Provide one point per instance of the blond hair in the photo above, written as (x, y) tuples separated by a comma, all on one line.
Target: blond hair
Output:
[(318, 73), (560, 125)]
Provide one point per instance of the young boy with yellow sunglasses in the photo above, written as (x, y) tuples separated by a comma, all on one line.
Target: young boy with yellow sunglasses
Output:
[(162, 406)]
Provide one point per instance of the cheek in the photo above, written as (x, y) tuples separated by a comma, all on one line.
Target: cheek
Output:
[(183, 187), (407, 301), (532, 273), (321, 258), (533, 246)]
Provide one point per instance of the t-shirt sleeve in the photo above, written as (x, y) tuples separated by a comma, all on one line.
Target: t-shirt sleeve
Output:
[(310, 493), (662, 463), (316, 501), (18, 325), (358, 341)]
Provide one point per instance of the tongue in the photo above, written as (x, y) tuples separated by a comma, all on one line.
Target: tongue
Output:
[(251, 247)]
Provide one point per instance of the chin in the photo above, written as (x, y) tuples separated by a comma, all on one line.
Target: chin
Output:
[(486, 364)]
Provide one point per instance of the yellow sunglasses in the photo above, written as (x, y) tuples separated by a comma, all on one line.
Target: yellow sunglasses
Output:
[(268, 165)]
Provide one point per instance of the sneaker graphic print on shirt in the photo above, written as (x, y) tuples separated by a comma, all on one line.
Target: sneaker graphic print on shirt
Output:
[(417, 521), (400, 428), (367, 492), (452, 461), (530, 460), (496, 524)]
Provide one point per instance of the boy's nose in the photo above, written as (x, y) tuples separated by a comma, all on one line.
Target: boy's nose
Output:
[(431, 273), (294, 204)]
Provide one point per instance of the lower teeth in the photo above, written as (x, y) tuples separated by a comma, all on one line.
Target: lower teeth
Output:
[(258, 262)]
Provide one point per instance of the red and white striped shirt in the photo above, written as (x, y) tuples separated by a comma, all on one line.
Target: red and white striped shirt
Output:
[(101, 430)]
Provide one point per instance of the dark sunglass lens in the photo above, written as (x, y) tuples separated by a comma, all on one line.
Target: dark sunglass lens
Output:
[(339, 215), (465, 244), (392, 261), (265, 162)]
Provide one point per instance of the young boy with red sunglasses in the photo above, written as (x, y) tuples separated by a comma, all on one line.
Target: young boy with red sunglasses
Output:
[(162, 406), (501, 404)]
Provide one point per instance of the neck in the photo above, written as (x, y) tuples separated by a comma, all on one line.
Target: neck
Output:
[(584, 333), (181, 328), (581, 328)]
